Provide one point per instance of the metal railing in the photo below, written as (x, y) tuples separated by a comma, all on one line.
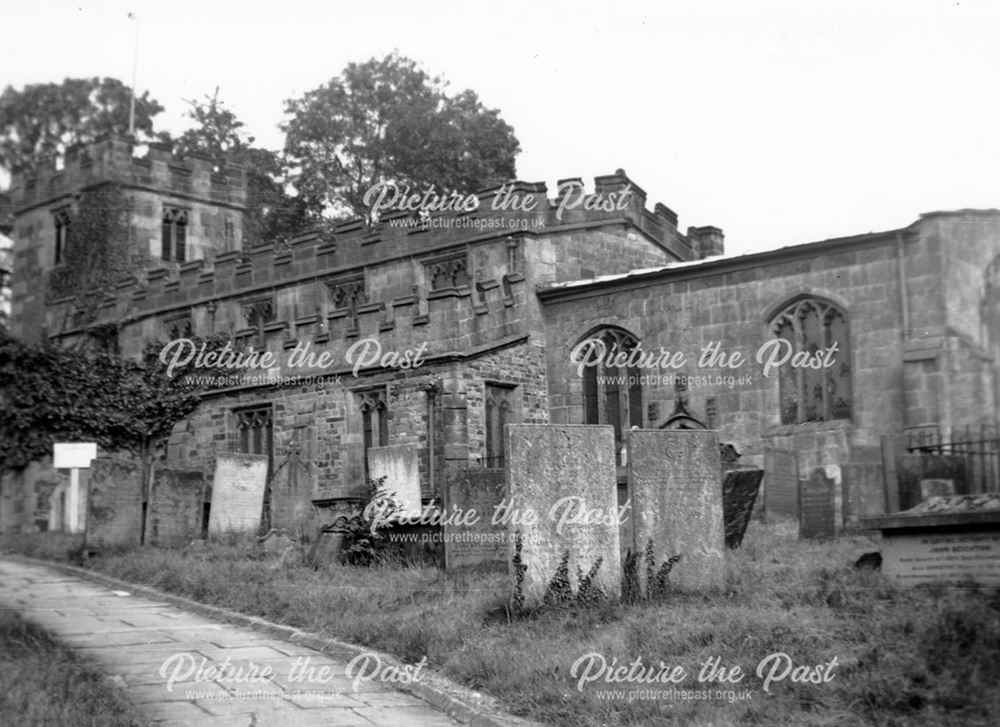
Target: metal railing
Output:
[(978, 445)]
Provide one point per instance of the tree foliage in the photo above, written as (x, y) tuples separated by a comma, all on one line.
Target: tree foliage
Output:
[(51, 394), (388, 120), (272, 214), (44, 119)]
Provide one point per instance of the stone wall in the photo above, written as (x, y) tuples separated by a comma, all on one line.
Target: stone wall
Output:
[(730, 301)]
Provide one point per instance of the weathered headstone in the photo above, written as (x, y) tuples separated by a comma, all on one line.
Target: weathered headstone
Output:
[(237, 493), (817, 505), (400, 465), (325, 549), (943, 540), (865, 484), (739, 493), (562, 504), (677, 503), (274, 542), (936, 488), (114, 503), (291, 490), (913, 469), (781, 483), (470, 535), (176, 507)]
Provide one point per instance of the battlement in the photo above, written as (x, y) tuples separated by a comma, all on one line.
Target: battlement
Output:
[(502, 212), (468, 272), (111, 159)]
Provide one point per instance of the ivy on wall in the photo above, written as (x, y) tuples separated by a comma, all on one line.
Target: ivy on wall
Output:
[(50, 394), (98, 252)]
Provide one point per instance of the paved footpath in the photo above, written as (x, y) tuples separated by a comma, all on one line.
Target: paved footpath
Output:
[(132, 638)]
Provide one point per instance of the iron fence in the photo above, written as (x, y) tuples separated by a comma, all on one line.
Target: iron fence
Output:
[(978, 445)]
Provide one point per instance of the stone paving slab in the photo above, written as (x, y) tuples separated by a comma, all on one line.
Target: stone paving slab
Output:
[(141, 642)]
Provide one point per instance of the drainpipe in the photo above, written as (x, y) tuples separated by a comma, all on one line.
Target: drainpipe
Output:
[(432, 391), (904, 292), (433, 387)]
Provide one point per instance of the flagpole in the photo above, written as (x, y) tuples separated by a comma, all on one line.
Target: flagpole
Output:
[(135, 63)]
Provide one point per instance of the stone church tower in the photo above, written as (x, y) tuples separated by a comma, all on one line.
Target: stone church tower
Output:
[(180, 210)]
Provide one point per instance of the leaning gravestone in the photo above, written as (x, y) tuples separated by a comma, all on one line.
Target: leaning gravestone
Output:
[(781, 483), (677, 503), (237, 493), (176, 507), (739, 493), (471, 538), (817, 505), (114, 503), (561, 506), (399, 464)]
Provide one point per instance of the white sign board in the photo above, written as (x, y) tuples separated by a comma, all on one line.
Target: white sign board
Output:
[(70, 455)]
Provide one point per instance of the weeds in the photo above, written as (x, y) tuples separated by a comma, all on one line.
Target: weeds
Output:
[(921, 656)]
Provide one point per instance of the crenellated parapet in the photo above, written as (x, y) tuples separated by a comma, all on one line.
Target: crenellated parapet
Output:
[(112, 159), (463, 277)]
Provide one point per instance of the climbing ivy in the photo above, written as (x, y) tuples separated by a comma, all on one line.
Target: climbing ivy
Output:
[(51, 394)]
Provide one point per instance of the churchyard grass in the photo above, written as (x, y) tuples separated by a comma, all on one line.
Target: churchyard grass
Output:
[(43, 683), (923, 656)]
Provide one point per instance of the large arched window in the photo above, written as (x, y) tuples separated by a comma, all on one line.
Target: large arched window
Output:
[(611, 394), (814, 394)]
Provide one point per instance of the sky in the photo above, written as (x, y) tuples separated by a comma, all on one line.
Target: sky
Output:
[(779, 122)]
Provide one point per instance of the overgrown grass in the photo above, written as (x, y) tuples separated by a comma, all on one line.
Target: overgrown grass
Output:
[(42, 683), (924, 656)]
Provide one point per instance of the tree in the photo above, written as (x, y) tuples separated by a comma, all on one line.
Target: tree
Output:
[(272, 214), (44, 119), (388, 121), (50, 394)]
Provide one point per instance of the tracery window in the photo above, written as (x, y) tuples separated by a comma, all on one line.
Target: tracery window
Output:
[(814, 394), (611, 394)]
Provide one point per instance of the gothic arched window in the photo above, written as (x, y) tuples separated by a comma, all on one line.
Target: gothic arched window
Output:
[(173, 235), (499, 411), (814, 394), (611, 394)]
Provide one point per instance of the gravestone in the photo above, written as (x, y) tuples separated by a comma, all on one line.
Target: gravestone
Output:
[(817, 505), (114, 503), (325, 549), (739, 493), (936, 488), (781, 483), (562, 503), (913, 469), (400, 465), (176, 507), (237, 493), (943, 540), (674, 477), (865, 484), (292, 491), (471, 537)]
